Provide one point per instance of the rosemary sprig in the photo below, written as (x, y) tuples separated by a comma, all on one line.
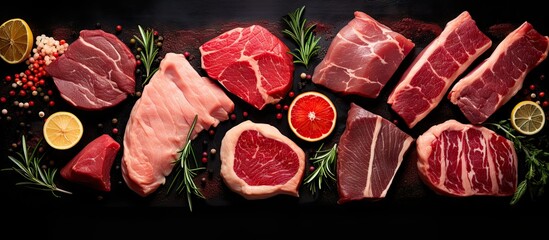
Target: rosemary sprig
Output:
[(324, 162), (28, 166), (303, 36), (536, 160), (148, 53), (186, 171)]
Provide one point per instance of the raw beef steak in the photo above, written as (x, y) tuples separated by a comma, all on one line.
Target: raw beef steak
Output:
[(258, 162), (370, 151), (96, 71), (92, 165), (427, 79), (458, 159), (362, 57), (161, 119), (496, 80), (251, 63)]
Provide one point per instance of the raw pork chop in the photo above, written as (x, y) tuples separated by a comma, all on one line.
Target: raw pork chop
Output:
[(458, 159), (251, 63), (370, 152), (160, 121), (427, 80), (96, 71), (92, 165), (362, 57), (495, 81), (258, 162)]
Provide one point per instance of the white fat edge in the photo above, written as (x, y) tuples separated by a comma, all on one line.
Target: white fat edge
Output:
[(368, 189), (405, 145)]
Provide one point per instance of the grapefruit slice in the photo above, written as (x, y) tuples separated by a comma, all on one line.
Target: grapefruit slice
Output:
[(312, 116)]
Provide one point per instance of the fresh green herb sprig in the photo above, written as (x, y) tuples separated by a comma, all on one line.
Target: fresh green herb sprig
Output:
[(28, 166), (186, 171), (148, 52), (324, 162), (536, 159), (303, 36)]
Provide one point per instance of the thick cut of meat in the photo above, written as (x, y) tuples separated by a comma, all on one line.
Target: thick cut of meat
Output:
[(251, 63), (370, 151), (92, 165), (427, 79), (96, 71), (456, 159), (161, 119), (496, 80), (362, 57), (258, 162)]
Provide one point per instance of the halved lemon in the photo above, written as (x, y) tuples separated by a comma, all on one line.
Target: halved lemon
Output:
[(312, 116), (527, 117), (62, 130), (16, 41)]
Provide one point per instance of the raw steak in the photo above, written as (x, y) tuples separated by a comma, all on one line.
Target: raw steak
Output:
[(362, 57), (161, 119), (92, 165), (426, 81), (458, 159), (96, 71), (258, 162), (370, 152), (251, 63), (496, 80)]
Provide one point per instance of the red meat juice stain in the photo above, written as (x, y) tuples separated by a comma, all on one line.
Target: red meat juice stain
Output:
[(501, 30), (189, 40), (210, 186), (418, 31)]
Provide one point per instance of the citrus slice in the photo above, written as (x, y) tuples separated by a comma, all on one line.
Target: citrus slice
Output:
[(62, 130), (312, 116), (527, 117), (16, 41)]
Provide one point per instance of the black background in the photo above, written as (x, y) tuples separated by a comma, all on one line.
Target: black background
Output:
[(410, 208)]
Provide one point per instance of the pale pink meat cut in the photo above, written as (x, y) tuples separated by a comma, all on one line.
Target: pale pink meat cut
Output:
[(456, 159), (161, 119), (258, 162), (496, 80), (251, 63), (91, 167), (428, 78), (96, 72), (370, 152), (362, 57)]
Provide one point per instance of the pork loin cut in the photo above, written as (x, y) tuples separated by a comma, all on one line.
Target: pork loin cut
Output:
[(258, 162), (370, 151), (161, 119), (362, 57), (428, 78), (456, 159), (96, 72), (496, 80), (251, 63), (91, 167)]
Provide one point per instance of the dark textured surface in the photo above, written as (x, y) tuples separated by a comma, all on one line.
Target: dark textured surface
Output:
[(410, 206)]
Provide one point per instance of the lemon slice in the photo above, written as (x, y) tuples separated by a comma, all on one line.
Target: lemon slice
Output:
[(16, 41), (527, 117), (62, 130)]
